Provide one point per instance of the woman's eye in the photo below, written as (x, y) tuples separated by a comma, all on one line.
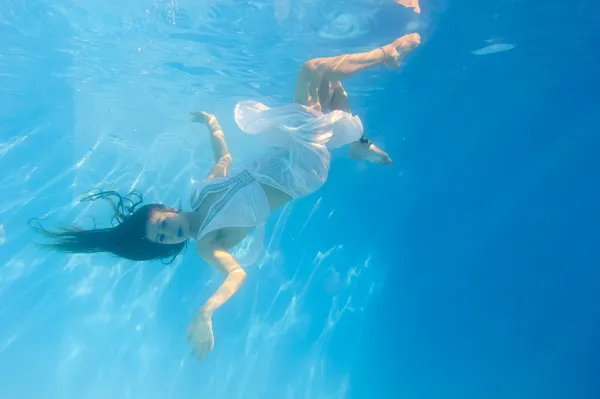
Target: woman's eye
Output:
[(163, 224)]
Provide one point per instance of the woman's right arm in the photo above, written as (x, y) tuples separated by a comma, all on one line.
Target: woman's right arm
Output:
[(234, 275), (200, 332)]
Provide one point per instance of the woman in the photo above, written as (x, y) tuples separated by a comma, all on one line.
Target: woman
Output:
[(228, 206)]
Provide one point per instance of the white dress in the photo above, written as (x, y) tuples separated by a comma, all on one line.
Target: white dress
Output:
[(298, 163)]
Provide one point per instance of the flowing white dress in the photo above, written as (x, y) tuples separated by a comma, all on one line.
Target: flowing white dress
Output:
[(298, 163)]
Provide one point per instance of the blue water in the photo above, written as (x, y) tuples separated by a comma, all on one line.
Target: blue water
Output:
[(468, 270)]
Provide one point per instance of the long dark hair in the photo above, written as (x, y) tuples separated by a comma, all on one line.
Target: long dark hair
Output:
[(126, 239)]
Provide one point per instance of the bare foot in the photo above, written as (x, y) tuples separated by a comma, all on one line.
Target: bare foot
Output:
[(369, 152), (414, 4), (396, 51)]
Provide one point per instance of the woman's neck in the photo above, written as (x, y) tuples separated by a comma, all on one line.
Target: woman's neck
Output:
[(193, 221)]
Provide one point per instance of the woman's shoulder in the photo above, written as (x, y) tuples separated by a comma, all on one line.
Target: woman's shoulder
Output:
[(202, 187)]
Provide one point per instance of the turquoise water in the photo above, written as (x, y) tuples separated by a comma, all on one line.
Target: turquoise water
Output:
[(468, 270)]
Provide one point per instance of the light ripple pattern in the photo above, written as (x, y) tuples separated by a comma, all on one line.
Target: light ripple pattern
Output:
[(96, 94)]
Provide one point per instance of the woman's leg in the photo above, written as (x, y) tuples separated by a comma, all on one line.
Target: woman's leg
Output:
[(319, 86), (331, 69), (338, 98), (359, 150), (217, 140)]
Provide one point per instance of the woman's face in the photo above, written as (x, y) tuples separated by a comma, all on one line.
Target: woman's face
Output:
[(166, 227)]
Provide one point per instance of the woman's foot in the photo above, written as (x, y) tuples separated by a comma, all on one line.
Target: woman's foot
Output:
[(414, 4), (396, 51), (368, 151)]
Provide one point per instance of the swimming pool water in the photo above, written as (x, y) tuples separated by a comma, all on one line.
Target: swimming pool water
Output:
[(468, 270)]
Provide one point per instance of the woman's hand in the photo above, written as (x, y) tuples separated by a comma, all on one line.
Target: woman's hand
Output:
[(200, 335), (201, 117)]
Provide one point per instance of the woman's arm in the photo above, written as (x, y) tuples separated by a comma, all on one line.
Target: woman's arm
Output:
[(217, 140), (200, 332), (235, 276)]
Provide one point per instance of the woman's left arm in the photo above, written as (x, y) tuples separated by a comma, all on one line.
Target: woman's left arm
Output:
[(217, 140)]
